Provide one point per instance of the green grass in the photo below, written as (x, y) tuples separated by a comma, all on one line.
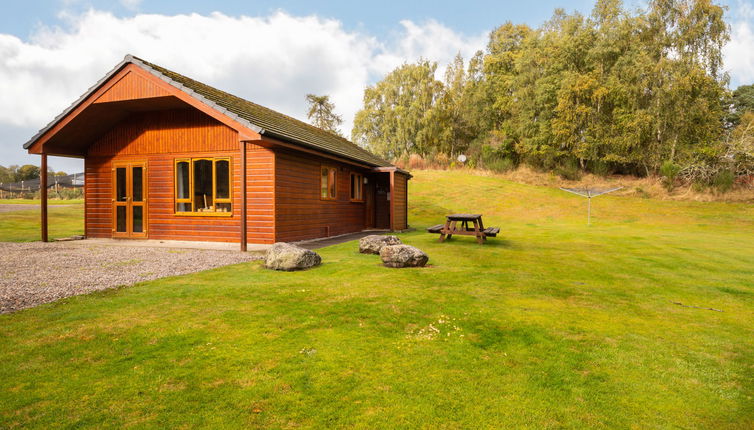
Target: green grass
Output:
[(552, 325), (24, 225), (36, 202)]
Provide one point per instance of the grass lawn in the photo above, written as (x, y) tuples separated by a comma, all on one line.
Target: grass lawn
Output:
[(36, 202), (552, 325), (24, 225)]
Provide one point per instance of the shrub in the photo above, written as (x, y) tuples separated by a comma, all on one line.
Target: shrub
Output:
[(71, 193), (669, 171), (723, 181), (501, 165), (568, 169)]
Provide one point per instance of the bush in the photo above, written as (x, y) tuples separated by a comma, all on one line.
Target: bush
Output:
[(669, 172), (569, 170), (71, 193), (500, 165), (723, 181)]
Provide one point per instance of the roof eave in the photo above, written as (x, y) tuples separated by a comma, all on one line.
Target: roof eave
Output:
[(130, 59)]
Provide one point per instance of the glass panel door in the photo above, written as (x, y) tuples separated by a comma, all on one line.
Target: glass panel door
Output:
[(137, 200), (129, 200), (120, 200)]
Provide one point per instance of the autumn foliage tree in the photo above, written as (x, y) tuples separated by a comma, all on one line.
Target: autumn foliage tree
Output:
[(615, 91)]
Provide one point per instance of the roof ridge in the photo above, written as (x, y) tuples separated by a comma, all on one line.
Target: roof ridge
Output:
[(308, 126)]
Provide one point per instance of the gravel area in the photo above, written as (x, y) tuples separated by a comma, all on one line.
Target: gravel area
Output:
[(36, 273)]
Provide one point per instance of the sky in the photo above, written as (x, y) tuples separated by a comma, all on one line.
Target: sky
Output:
[(272, 53)]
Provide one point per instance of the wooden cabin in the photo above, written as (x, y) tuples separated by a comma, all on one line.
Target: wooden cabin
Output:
[(169, 158)]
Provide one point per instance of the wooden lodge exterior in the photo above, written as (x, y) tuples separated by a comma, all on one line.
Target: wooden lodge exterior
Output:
[(169, 158)]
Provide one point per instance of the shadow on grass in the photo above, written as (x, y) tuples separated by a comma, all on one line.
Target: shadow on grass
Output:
[(470, 241)]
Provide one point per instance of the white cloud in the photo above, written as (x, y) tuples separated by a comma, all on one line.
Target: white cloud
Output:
[(274, 60), (131, 4), (738, 54)]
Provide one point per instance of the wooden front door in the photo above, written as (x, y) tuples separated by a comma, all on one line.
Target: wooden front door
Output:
[(130, 200)]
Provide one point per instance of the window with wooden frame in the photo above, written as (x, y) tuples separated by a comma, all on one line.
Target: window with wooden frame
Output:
[(357, 187), (203, 187), (328, 183)]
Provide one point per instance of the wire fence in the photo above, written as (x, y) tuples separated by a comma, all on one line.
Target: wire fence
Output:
[(68, 186)]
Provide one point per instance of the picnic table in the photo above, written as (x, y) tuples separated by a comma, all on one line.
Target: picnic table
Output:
[(471, 225)]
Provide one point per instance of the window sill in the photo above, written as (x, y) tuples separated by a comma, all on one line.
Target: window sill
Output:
[(205, 214)]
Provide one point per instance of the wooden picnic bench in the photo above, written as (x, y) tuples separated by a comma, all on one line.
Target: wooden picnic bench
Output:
[(471, 225)]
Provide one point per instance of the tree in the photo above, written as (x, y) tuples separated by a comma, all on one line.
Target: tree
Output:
[(740, 102), (322, 114), (26, 172), (400, 114)]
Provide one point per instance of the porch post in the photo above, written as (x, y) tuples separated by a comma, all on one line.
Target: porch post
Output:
[(243, 196), (392, 199), (43, 194)]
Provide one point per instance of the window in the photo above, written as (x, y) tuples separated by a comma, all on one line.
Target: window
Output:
[(328, 183), (202, 186), (357, 187)]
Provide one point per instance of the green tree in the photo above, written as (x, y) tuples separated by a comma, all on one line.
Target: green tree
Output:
[(740, 102), (321, 113), (400, 115), (26, 172)]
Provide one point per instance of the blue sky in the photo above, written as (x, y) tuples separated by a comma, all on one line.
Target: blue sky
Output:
[(273, 53), (378, 17)]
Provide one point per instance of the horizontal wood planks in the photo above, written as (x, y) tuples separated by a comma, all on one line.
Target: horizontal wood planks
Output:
[(161, 132), (400, 205), (158, 138), (300, 213)]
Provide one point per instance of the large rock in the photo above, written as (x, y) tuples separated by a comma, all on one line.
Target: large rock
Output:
[(373, 243), (284, 256), (403, 256)]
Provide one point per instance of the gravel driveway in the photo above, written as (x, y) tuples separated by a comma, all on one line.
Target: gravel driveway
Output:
[(36, 273)]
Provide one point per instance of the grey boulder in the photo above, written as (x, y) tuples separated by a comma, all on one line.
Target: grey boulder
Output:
[(373, 243), (403, 256), (284, 256)]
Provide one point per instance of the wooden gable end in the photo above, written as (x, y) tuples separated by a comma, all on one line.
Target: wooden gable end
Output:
[(131, 86), (129, 89)]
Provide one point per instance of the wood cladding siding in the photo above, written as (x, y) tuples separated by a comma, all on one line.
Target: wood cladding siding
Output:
[(400, 205), (130, 87), (260, 194), (158, 138), (162, 132), (300, 213)]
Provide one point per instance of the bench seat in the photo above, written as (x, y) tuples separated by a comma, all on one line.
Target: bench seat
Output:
[(435, 228), (491, 231)]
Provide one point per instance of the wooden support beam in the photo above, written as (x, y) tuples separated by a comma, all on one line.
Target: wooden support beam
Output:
[(244, 180), (392, 200), (43, 194)]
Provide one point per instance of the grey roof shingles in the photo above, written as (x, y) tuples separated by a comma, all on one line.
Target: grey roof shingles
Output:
[(259, 118), (272, 123)]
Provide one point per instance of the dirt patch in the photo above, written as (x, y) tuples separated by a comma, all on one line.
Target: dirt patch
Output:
[(36, 273)]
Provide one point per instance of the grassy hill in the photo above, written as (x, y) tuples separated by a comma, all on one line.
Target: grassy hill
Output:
[(553, 324)]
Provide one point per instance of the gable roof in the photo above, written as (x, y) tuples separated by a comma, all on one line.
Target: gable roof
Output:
[(263, 120)]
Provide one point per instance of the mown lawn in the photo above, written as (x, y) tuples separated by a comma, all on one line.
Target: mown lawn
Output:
[(24, 225), (552, 325), (50, 202)]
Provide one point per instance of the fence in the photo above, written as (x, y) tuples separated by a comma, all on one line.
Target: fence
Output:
[(54, 183)]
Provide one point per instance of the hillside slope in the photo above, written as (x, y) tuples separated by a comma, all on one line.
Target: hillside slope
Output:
[(643, 320)]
